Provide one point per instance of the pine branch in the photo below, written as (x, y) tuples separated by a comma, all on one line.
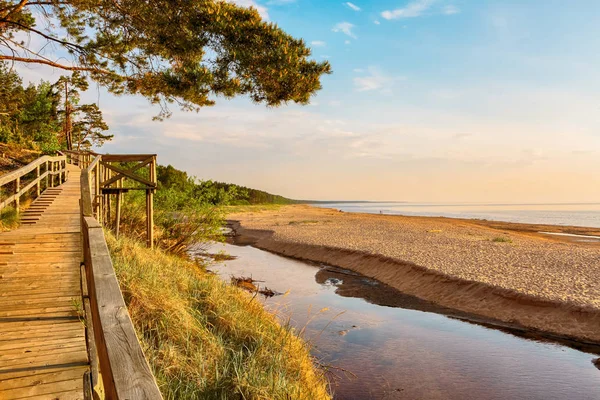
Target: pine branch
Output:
[(52, 64)]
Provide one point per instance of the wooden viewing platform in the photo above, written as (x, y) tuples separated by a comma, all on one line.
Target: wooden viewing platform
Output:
[(64, 328)]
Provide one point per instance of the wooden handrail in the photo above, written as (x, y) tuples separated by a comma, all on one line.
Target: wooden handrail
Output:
[(124, 371), (15, 176)]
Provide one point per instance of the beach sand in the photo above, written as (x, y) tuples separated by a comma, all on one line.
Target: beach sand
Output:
[(501, 271)]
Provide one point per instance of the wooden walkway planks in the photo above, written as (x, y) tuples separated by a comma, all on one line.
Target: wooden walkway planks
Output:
[(42, 341)]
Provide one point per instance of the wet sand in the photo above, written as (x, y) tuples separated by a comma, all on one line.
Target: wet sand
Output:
[(526, 279)]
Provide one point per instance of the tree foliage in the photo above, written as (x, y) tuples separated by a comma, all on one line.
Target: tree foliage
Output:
[(37, 116), (187, 211), (83, 125), (167, 50)]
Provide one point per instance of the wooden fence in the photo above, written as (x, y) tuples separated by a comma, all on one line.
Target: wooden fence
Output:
[(112, 175), (118, 368), (51, 169), (114, 351)]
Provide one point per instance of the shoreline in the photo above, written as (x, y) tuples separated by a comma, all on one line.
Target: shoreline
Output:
[(523, 227), (501, 306)]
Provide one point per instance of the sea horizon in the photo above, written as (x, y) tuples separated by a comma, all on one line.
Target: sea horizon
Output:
[(561, 214)]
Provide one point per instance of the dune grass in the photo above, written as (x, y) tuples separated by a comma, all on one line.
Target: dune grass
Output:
[(251, 208), (205, 339), (9, 219)]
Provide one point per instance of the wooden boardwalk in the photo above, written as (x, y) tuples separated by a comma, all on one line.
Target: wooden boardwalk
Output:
[(42, 340)]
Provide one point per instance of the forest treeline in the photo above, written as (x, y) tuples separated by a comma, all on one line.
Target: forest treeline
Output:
[(48, 116), (217, 192)]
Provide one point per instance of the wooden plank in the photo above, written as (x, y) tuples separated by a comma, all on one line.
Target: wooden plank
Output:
[(129, 174), (50, 389), (125, 371), (52, 376), (126, 157), (132, 170)]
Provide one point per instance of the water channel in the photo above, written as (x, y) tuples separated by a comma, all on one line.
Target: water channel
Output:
[(387, 345)]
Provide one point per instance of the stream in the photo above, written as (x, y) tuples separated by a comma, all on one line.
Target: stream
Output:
[(384, 344)]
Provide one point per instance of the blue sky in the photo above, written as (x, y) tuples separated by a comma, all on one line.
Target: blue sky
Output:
[(430, 100)]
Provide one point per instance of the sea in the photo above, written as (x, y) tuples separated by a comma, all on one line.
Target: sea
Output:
[(567, 214)]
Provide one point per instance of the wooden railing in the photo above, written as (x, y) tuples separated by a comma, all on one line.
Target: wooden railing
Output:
[(110, 180), (54, 173), (118, 368), (114, 350)]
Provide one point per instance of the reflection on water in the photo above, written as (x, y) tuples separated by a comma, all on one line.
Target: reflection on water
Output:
[(587, 215), (393, 350)]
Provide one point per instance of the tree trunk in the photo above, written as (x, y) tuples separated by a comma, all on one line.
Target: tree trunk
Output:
[(68, 137)]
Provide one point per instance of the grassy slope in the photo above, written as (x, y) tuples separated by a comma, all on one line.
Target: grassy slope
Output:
[(208, 340)]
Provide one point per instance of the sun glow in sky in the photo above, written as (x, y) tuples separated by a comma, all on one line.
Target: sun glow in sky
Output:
[(430, 100)]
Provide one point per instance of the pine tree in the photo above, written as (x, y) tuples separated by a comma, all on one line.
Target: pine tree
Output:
[(170, 51)]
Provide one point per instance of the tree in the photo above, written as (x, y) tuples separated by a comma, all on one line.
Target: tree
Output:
[(67, 88), (38, 117), (11, 100), (35, 116), (169, 51), (88, 129), (82, 124)]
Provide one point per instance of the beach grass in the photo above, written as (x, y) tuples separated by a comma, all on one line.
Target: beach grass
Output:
[(502, 239), (251, 208), (206, 339), (9, 219)]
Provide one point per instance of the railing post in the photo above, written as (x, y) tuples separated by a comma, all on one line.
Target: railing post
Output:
[(150, 206), (38, 185), (47, 174), (97, 197), (18, 198)]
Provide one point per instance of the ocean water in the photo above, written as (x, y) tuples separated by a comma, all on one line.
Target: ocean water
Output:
[(586, 215)]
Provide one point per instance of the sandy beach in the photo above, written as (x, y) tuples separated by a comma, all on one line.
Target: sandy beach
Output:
[(501, 271)]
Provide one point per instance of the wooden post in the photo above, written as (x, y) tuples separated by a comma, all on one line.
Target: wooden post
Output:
[(107, 220), (47, 175), (149, 219), (105, 198), (150, 206), (118, 212), (97, 193), (38, 184), (18, 198)]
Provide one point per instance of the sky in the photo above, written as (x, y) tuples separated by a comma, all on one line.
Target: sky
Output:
[(429, 101)]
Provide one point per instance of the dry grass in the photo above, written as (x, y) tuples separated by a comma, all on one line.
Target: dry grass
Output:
[(206, 339), (9, 219), (251, 208)]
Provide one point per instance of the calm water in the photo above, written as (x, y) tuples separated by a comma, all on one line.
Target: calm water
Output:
[(392, 349), (587, 215)]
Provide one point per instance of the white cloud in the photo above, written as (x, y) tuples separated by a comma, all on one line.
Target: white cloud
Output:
[(353, 6), (375, 80), (318, 43), (347, 42), (411, 10), (345, 28), (450, 10), (376, 22), (358, 70), (262, 10)]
